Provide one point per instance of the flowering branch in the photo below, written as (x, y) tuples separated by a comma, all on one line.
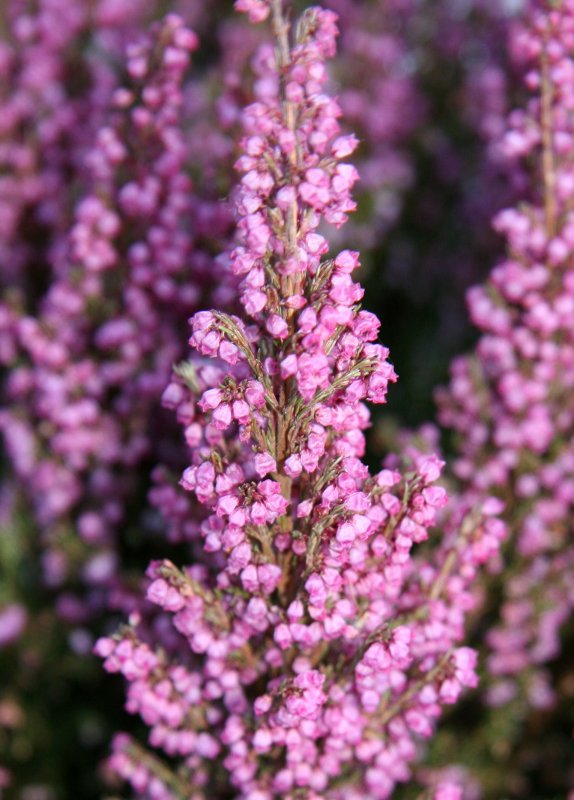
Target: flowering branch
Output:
[(309, 641), (511, 401)]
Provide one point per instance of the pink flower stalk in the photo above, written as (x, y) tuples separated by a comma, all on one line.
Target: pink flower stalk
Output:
[(91, 367), (314, 651), (511, 401)]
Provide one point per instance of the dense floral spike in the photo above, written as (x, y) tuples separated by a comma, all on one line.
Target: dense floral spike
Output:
[(94, 362), (318, 651), (511, 401)]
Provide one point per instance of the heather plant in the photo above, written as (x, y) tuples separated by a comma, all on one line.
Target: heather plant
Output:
[(510, 405), (91, 363), (308, 651)]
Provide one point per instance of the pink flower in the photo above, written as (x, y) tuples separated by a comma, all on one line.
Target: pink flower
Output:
[(277, 326), (264, 464)]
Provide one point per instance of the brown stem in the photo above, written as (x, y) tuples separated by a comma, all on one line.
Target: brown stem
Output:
[(281, 31), (281, 28), (469, 525)]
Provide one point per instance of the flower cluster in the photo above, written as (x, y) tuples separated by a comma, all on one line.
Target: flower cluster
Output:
[(511, 401), (90, 366), (315, 650)]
